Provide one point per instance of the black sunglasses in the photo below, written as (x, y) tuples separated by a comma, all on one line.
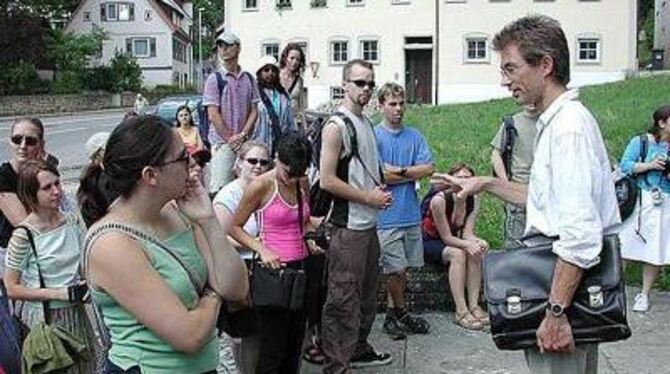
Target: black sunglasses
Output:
[(183, 156), (254, 161), (360, 83), (30, 140)]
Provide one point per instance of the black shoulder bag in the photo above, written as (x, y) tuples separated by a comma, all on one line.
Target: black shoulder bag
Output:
[(517, 284), (274, 119)]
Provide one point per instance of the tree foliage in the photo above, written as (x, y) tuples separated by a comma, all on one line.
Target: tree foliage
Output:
[(213, 13)]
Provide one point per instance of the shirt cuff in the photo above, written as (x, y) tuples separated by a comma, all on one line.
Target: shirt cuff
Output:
[(583, 258)]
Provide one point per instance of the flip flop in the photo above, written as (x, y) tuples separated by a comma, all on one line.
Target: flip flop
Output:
[(313, 355)]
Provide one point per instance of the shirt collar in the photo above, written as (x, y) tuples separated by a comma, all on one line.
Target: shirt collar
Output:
[(555, 107)]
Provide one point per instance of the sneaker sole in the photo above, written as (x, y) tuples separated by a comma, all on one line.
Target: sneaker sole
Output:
[(361, 365)]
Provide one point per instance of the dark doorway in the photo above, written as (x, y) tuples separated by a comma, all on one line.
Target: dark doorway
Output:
[(419, 75)]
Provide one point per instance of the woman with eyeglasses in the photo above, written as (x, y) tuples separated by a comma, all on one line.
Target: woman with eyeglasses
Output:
[(43, 260), (156, 260), (253, 160), (26, 142), (448, 226), (279, 200), (275, 113), (291, 66)]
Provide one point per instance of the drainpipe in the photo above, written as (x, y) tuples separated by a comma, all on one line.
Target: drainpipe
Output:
[(437, 50)]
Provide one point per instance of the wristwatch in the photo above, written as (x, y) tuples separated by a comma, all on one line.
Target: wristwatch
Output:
[(557, 310), (403, 171)]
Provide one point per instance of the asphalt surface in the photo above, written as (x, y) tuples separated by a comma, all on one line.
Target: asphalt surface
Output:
[(66, 137), (451, 349)]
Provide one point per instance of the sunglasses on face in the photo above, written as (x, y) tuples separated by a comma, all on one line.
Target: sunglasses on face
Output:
[(254, 161), (30, 140), (360, 83)]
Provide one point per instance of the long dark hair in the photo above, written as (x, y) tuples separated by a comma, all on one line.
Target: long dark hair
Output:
[(661, 114), (284, 56), (294, 151), (136, 143), (190, 115)]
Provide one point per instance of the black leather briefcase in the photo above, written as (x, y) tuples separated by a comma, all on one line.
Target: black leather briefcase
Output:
[(517, 284)]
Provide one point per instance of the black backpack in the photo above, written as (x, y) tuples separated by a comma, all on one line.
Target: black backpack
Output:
[(627, 191), (321, 201)]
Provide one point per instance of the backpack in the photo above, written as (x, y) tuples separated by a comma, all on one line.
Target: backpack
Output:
[(448, 197), (626, 188), (321, 201), (205, 121), (507, 145)]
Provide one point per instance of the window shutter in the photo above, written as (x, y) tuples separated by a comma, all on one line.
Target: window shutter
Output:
[(129, 46), (131, 10), (152, 48), (103, 12)]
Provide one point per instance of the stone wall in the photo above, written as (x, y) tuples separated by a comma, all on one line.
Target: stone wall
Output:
[(38, 104)]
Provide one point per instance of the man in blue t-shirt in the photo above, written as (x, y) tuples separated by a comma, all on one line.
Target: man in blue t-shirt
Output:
[(406, 158)]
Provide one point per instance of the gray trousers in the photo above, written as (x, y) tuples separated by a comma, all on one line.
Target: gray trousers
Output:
[(515, 224), (584, 360)]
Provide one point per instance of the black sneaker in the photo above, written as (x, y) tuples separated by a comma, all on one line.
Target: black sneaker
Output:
[(413, 325), (392, 329), (370, 358)]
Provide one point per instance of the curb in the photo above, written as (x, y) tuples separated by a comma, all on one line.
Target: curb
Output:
[(64, 114)]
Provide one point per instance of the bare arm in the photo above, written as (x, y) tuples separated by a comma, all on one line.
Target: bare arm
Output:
[(392, 173), (250, 202), (498, 165), (12, 208), (438, 206), (17, 291), (227, 270), (471, 221), (217, 121), (515, 193), (118, 265)]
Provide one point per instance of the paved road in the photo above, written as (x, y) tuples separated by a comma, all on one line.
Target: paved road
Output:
[(66, 137)]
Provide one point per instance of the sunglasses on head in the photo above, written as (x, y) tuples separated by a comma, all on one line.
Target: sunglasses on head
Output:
[(254, 161), (30, 140), (360, 83)]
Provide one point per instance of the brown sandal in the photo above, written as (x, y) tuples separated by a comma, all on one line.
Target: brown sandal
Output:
[(468, 321), (481, 315)]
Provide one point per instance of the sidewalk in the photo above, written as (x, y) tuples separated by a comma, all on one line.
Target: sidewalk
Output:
[(450, 349)]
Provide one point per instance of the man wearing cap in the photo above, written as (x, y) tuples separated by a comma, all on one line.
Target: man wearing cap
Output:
[(275, 113), (230, 95)]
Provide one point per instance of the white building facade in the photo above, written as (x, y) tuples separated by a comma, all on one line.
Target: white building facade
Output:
[(440, 50), (155, 32)]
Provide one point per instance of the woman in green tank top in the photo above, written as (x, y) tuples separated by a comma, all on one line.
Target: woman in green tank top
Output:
[(148, 257)]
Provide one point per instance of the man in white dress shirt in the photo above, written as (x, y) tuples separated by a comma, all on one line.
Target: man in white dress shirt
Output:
[(570, 193)]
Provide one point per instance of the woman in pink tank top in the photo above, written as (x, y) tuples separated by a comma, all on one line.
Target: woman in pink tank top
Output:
[(279, 198)]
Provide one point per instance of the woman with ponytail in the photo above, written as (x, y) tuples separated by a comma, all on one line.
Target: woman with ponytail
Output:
[(156, 260)]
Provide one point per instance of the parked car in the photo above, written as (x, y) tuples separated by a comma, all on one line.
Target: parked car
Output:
[(167, 107)]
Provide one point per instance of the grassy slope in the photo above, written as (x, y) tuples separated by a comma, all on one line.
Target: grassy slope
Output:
[(462, 132)]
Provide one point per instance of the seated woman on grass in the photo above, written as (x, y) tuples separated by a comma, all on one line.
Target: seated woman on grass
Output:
[(448, 225)]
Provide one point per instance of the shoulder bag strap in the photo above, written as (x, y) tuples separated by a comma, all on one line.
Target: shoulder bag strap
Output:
[(140, 235), (274, 118), (354, 146), (31, 240), (295, 83)]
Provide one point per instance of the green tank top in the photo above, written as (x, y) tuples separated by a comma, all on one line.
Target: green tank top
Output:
[(132, 342)]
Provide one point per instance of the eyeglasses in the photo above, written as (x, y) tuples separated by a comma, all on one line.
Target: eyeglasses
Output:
[(511, 71), (360, 83), (31, 141), (184, 156), (254, 161)]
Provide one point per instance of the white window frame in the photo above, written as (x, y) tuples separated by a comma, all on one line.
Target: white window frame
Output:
[(401, 2), (336, 93), (148, 41), (247, 8), (116, 5), (476, 38), (270, 43), (455, 1), (361, 49), (331, 51), (109, 13), (355, 2), (587, 38)]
